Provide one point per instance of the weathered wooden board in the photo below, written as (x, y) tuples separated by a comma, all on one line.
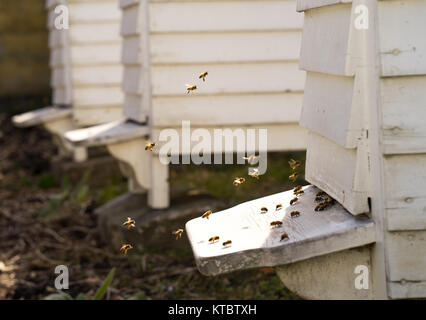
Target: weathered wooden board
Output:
[(303, 5), (227, 109), (406, 255), (97, 96), (40, 116), (332, 107), (255, 243), (342, 173), (233, 16), (280, 137), (95, 33), (225, 47), (89, 116), (133, 107), (403, 104), (407, 289), (326, 41), (97, 75), (61, 96), (401, 39), (108, 133), (405, 197), (130, 23), (95, 54)]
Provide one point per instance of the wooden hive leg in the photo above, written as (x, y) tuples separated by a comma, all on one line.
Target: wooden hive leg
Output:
[(158, 194)]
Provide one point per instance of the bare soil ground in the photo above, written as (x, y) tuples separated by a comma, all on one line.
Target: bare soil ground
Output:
[(46, 221)]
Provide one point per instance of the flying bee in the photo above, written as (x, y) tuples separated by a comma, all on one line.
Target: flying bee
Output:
[(203, 76), (263, 210), (150, 146), (238, 181), (278, 207), (294, 164), (214, 239), (294, 214), (178, 233), (129, 223), (294, 200), (126, 247), (276, 224), (284, 236), (227, 243), (190, 87), (299, 192), (254, 173), (206, 214), (321, 193), (294, 177), (250, 159)]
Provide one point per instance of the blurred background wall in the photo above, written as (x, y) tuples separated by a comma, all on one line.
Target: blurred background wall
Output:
[(24, 56)]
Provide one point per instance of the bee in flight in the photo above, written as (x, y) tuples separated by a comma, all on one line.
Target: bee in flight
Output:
[(238, 181), (214, 239), (250, 159), (227, 243), (263, 210), (276, 224), (278, 207), (254, 173), (294, 200), (129, 223), (294, 177), (294, 164), (125, 248), (178, 233), (294, 214), (190, 87), (203, 76), (206, 214), (284, 236), (150, 146)]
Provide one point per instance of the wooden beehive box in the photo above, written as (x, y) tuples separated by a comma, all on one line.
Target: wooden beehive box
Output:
[(249, 48), (337, 112), (85, 60)]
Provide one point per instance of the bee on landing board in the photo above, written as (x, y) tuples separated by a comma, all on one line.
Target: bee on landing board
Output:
[(297, 188), (293, 177), (203, 76), (294, 200), (263, 210), (238, 181), (206, 214), (150, 146), (321, 193), (125, 248), (294, 164), (284, 236), (214, 239), (278, 207), (276, 224), (190, 87), (299, 192), (227, 243), (178, 233), (129, 223), (294, 214)]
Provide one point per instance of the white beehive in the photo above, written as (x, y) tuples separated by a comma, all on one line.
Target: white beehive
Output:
[(85, 60), (250, 50), (363, 106)]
